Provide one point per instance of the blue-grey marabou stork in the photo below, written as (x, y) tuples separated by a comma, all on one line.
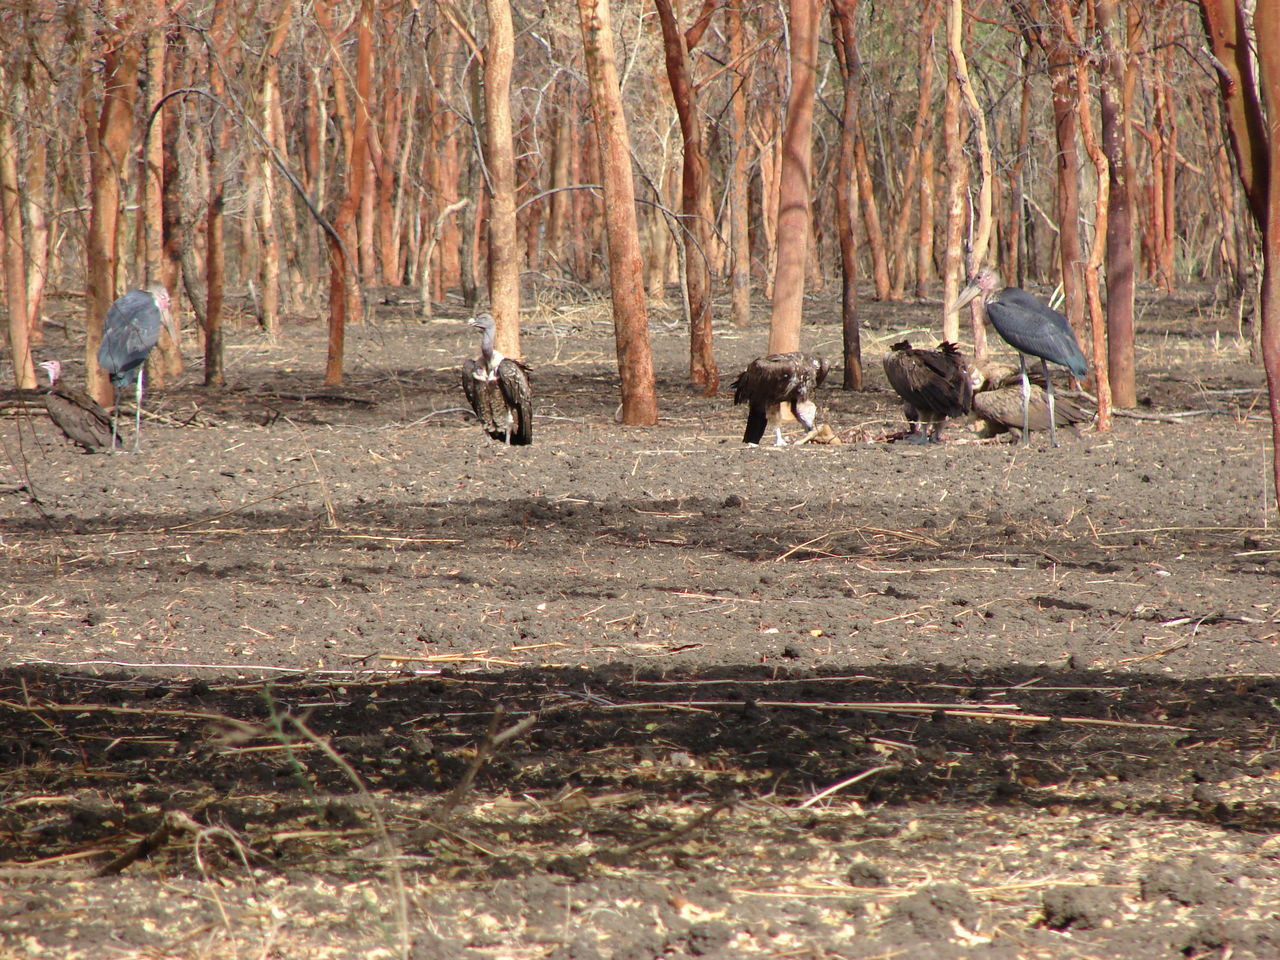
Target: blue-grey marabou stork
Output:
[(1030, 327), (129, 332), (933, 385), (497, 388), (790, 378)]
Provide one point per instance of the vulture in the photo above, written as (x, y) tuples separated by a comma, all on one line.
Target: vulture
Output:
[(933, 385), (129, 332), (778, 378), (997, 402), (76, 413), (497, 388), (1030, 327)]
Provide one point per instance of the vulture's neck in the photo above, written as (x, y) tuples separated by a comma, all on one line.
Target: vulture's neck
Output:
[(491, 356)]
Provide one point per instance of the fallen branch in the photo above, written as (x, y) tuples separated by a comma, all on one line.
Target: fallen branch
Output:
[(493, 741), (969, 711), (173, 822), (837, 787), (1175, 417)]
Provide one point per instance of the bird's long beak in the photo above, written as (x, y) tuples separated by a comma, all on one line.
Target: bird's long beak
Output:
[(967, 294)]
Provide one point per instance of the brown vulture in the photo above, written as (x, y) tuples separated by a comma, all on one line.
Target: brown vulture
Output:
[(76, 413), (933, 385), (997, 402), (790, 378), (497, 388)]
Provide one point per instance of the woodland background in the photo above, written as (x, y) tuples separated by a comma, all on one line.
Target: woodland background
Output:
[(297, 154)]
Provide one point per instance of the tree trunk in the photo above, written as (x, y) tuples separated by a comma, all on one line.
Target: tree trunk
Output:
[(15, 267), (504, 245), (924, 114), (793, 187), (561, 154), (220, 35), (626, 266), (1101, 210), (957, 188), (41, 36), (344, 295), (1068, 180), (870, 211), (981, 231), (1258, 161), (739, 228), (925, 231), (1114, 80), (695, 200), (108, 140), (166, 359), (843, 24), (1267, 31)]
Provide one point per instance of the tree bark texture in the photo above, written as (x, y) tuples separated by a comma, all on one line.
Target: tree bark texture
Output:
[(924, 122), (504, 245), (1114, 80), (981, 230), (343, 282), (15, 266), (957, 188), (793, 192), (739, 226), (1049, 34), (109, 137), (843, 24), (1093, 266), (626, 265), (695, 200)]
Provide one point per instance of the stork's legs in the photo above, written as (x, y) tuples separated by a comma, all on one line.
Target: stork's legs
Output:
[(1048, 388), (137, 413), (1026, 398), (115, 418)]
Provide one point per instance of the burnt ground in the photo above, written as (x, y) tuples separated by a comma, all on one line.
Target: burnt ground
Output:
[(323, 673)]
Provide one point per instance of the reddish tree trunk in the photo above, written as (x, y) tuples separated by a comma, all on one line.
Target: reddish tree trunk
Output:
[(793, 189), (15, 267), (626, 265), (843, 24), (1113, 82), (1049, 33), (504, 245), (1258, 161), (739, 228), (695, 192), (957, 188), (924, 114), (109, 137), (344, 294)]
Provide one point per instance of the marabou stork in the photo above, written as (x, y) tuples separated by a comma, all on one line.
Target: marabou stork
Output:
[(1030, 327), (933, 384), (997, 402), (130, 331), (497, 388), (76, 413), (790, 378)]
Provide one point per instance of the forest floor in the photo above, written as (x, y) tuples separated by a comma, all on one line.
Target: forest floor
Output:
[(323, 672)]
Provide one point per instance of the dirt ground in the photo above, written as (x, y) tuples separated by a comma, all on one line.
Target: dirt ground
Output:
[(326, 673)]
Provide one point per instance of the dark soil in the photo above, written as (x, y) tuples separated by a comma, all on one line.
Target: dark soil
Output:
[(323, 672)]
